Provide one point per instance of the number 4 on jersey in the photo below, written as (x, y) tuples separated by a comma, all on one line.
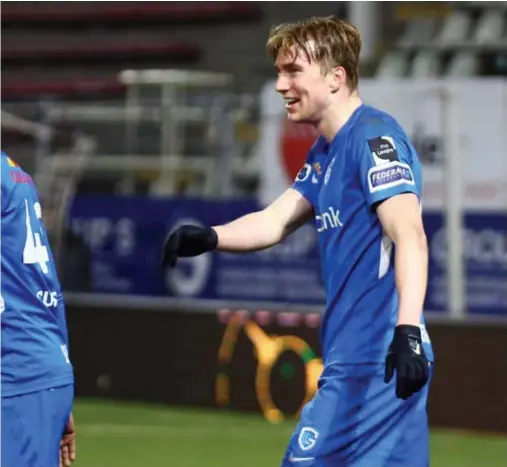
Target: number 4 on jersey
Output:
[(35, 252)]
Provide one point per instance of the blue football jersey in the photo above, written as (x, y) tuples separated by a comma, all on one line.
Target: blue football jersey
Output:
[(369, 160), (33, 326)]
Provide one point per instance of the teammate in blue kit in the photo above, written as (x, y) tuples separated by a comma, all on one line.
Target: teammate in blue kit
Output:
[(362, 185), (37, 377)]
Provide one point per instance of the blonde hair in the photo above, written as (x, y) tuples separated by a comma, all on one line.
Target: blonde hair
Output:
[(335, 43)]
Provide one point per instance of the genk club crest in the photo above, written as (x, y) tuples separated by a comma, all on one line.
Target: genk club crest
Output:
[(307, 438)]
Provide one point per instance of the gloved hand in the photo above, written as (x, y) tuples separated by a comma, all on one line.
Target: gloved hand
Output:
[(188, 240), (406, 356)]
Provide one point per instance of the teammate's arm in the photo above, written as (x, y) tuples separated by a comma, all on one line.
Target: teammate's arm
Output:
[(68, 444), (252, 232), (401, 219)]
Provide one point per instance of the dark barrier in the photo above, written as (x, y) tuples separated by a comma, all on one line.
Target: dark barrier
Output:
[(268, 362)]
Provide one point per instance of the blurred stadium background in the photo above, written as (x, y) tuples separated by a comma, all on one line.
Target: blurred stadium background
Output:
[(135, 116)]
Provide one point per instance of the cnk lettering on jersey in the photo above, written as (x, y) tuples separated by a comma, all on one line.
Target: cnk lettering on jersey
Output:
[(329, 219)]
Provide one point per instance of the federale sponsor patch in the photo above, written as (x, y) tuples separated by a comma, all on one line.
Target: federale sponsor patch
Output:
[(389, 175)]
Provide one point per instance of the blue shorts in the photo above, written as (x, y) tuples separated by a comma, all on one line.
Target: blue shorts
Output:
[(32, 427), (355, 420)]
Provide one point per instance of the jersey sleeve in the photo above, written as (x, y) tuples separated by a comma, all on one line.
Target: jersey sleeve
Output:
[(387, 167), (302, 181), (305, 181)]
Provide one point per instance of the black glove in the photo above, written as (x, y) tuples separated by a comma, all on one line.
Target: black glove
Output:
[(188, 240), (406, 356)]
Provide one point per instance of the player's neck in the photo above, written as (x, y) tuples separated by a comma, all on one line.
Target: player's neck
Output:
[(337, 115)]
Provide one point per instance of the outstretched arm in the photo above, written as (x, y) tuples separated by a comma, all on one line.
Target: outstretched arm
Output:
[(262, 229), (252, 232)]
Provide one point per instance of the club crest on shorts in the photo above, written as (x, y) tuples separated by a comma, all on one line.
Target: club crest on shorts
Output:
[(307, 438)]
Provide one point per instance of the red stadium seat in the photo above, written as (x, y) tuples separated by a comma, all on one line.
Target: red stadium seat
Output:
[(12, 136), (65, 54), (48, 14), (43, 43), (74, 88)]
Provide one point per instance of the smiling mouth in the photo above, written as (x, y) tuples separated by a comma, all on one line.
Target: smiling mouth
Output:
[(290, 103)]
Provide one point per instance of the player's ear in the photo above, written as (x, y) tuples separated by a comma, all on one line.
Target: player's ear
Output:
[(338, 78)]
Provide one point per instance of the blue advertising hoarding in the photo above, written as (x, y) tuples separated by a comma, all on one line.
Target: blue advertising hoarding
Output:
[(485, 259), (125, 235)]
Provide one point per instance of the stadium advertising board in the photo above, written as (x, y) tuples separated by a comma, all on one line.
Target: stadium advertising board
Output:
[(286, 365), (264, 361), (125, 237)]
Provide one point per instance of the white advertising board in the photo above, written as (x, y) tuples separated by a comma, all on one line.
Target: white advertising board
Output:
[(480, 118)]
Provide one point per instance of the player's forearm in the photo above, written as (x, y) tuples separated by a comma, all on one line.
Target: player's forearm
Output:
[(411, 268), (253, 232)]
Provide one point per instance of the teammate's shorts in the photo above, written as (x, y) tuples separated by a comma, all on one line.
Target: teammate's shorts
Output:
[(356, 420), (32, 427)]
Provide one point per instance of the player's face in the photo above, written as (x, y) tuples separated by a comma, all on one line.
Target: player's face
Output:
[(304, 87)]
